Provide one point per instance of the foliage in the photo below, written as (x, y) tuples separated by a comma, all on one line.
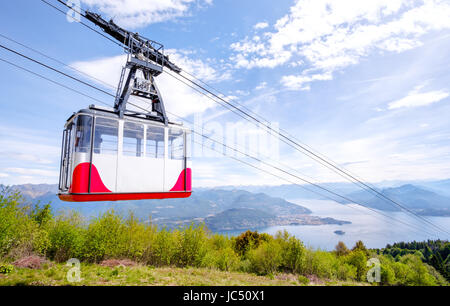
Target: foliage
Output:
[(26, 230), (341, 249), (6, 269), (249, 240), (266, 258), (433, 252), (357, 258), (292, 252), (303, 280)]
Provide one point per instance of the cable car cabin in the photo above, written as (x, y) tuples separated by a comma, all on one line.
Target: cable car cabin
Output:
[(105, 158)]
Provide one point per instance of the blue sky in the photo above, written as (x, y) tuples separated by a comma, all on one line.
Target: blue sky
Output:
[(364, 83)]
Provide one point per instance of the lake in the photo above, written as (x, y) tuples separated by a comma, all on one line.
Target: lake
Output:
[(373, 229)]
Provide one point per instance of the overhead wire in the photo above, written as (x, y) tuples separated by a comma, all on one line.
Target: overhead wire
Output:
[(299, 146)]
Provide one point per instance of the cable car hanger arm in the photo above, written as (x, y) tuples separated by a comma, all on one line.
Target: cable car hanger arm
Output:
[(133, 42)]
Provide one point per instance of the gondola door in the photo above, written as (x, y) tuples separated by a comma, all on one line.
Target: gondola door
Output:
[(177, 176), (141, 158), (104, 152)]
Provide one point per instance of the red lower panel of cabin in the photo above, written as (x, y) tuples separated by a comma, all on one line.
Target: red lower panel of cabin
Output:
[(93, 197), (79, 189)]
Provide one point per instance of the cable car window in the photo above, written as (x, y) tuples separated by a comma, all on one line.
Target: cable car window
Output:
[(155, 142), (133, 135), (106, 136), (176, 144), (83, 134)]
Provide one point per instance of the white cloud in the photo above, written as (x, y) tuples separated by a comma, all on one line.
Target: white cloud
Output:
[(139, 13), (262, 85), (178, 98), (415, 98), (32, 172), (329, 35), (2, 175), (260, 25), (301, 82)]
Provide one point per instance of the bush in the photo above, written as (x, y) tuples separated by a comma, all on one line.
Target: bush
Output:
[(266, 259), (137, 237), (192, 246), (20, 235), (6, 269), (320, 263), (358, 259), (104, 238), (345, 271), (67, 237), (292, 252), (163, 250), (341, 249), (417, 272), (224, 259), (220, 254), (249, 240), (387, 271), (303, 280)]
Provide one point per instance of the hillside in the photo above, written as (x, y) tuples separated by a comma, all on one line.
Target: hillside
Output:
[(35, 246), (413, 197), (209, 205), (141, 275)]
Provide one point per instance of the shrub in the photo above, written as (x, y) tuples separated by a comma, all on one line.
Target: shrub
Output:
[(303, 280), (20, 235), (104, 238), (417, 274), (320, 263), (341, 249), (345, 271), (265, 259), (41, 215), (359, 246), (137, 237), (6, 269), (387, 270), (249, 240), (163, 250), (192, 246), (292, 252), (220, 254), (358, 259), (66, 236), (224, 259)]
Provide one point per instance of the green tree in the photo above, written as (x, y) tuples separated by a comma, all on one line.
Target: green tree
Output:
[(358, 259), (341, 249)]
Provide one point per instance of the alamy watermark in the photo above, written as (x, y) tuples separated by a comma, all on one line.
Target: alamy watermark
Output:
[(374, 273), (74, 273), (235, 139), (73, 14)]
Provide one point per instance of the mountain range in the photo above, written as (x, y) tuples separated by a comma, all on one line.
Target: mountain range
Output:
[(242, 207), (420, 200), (430, 198), (221, 210)]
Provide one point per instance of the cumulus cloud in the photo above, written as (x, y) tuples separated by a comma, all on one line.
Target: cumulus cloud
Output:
[(329, 35), (139, 13), (178, 98), (261, 25)]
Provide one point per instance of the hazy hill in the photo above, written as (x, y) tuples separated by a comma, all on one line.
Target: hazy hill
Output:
[(214, 206), (410, 196), (441, 187)]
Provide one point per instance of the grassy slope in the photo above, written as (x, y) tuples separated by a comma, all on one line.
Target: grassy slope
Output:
[(96, 275)]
